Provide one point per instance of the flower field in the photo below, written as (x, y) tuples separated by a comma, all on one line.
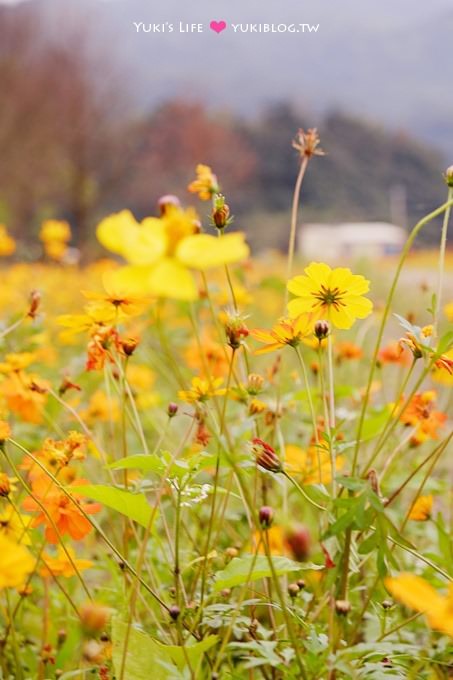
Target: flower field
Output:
[(219, 465)]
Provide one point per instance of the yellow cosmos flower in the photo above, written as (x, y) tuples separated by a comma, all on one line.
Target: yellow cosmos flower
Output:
[(201, 390), (313, 466), (14, 526), (418, 594), (332, 294), (7, 243), (61, 565), (422, 508), (117, 295), (162, 251), (15, 565), (285, 332), (14, 363), (206, 184)]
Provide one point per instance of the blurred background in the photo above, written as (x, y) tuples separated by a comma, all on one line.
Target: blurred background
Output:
[(95, 117)]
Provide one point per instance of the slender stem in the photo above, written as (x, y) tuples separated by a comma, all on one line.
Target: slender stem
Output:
[(332, 419), (308, 391), (442, 251), (303, 493), (294, 213)]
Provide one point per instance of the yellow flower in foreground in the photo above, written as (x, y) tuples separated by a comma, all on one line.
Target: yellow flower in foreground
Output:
[(14, 525), (64, 564), (418, 594), (285, 332), (201, 390), (15, 565), (162, 251), (312, 466), (332, 294), (206, 184), (422, 508), (7, 243)]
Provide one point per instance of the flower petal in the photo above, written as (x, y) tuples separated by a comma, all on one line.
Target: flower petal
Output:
[(169, 278), (203, 251)]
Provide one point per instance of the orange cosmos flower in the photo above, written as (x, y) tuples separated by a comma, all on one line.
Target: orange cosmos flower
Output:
[(421, 509), (61, 511), (206, 184), (420, 414), (348, 350), (394, 353)]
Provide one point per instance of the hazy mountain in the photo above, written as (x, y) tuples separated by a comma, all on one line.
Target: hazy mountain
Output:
[(388, 61)]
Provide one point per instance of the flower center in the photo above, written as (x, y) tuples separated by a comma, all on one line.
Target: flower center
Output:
[(330, 296)]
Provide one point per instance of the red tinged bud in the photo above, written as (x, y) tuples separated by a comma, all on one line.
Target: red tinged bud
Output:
[(299, 542), (265, 456), (266, 516), (172, 409)]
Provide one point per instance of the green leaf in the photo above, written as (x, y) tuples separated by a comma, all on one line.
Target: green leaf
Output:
[(133, 505), (146, 657), (239, 570), (375, 424)]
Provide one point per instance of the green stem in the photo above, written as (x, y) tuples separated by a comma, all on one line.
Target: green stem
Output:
[(442, 251), (412, 236), (294, 213)]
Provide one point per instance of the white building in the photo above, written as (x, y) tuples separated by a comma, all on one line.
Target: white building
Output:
[(350, 240)]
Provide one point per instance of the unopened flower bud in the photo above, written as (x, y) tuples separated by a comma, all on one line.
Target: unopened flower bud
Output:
[(129, 346), (172, 409), (299, 542), (293, 590), (35, 301), (225, 592), (322, 329), (387, 604), (265, 456), (342, 607), (235, 330), (94, 617), (449, 176), (221, 213), (231, 552), (255, 383), (174, 612), (266, 516), (166, 202), (314, 367), (301, 583)]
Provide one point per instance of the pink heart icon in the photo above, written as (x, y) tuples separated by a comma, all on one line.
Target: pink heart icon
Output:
[(218, 26)]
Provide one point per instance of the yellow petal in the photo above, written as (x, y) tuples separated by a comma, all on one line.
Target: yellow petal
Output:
[(202, 251), (146, 245), (115, 230), (414, 592), (169, 278)]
